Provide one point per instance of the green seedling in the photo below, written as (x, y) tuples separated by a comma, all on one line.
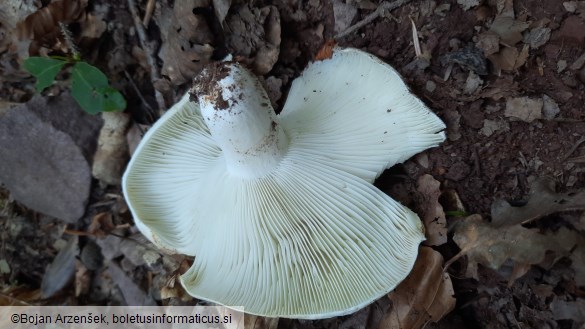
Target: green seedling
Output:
[(89, 85)]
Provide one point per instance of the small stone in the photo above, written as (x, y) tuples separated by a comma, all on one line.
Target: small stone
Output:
[(570, 6), (537, 37), (550, 108), (468, 4), (561, 65), (4, 267), (430, 86), (492, 126), (578, 63), (472, 83), (571, 181)]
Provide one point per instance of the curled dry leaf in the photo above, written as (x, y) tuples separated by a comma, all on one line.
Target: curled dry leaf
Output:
[(425, 295), (42, 27), (544, 200), (491, 246), (431, 211), (17, 296), (187, 39)]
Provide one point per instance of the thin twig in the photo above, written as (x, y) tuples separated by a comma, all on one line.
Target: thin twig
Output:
[(574, 148), (385, 6), (150, 56), (137, 91), (148, 13)]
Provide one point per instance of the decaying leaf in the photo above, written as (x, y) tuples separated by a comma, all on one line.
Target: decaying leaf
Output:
[(431, 211), (82, 279), (425, 295), (61, 270), (486, 244), (112, 151), (133, 294), (509, 29), (18, 296), (101, 224), (569, 310), (42, 27), (524, 108), (544, 200), (187, 40)]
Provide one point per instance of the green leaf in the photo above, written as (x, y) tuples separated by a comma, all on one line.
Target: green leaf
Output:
[(113, 99), (89, 87), (44, 69)]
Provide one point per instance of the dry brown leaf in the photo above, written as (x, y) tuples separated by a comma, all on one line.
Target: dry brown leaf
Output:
[(112, 151), (101, 224), (431, 211), (544, 200), (18, 296), (42, 27), (82, 279), (522, 57), (489, 42), (425, 295), (491, 246), (93, 27), (524, 108), (186, 40), (509, 29)]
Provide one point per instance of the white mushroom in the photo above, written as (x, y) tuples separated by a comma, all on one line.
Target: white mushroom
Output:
[(279, 210)]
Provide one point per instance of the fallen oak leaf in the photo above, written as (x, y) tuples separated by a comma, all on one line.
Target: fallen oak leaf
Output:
[(425, 295), (543, 201), (186, 41), (42, 26), (489, 245), (431, 211)]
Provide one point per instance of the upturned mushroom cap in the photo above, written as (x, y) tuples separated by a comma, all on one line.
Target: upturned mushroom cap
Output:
[(306, 235)]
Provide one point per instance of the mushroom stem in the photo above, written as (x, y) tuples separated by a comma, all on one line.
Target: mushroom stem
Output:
[(241, 120)]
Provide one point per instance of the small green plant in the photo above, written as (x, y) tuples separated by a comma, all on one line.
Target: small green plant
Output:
[(89, 85)]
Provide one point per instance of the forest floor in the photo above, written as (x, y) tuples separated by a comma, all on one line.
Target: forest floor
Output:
[(502, 198)]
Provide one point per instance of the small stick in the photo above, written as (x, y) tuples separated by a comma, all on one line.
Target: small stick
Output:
[(148, 13), (574, 148), (149, 50), (384, 6), (137, 91)]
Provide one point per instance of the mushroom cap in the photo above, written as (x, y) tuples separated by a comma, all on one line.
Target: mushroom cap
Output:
[(313, 238)]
